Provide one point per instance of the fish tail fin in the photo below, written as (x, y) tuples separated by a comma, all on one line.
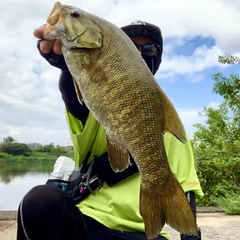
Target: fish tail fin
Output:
[(168, 206), (152, 212)]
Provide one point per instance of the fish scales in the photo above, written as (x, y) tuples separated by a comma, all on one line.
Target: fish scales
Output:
[(115, 83)]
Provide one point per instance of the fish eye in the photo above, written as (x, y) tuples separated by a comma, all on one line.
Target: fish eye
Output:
[(75, 14)]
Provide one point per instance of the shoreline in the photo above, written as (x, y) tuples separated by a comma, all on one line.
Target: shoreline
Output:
[(12, 214), (214, 223)]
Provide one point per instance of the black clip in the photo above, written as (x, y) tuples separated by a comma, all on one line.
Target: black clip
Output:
[(87, 182)]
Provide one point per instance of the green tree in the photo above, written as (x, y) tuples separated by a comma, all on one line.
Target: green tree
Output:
[(216, 147), (8, 140), (49, 148), (216, 143), (228, 87), (228, 59), (218, 134), (58, 150), (16, 149)]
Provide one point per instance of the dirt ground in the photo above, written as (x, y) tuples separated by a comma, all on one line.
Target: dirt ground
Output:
[(214, 226)]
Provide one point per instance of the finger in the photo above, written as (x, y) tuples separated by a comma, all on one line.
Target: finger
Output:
[(39, 32), (57, 47), (46, 46)]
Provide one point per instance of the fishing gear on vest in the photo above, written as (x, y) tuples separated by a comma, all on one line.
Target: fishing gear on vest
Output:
[(88, 178)]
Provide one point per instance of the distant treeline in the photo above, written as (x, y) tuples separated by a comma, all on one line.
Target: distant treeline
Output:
[(10, 148)]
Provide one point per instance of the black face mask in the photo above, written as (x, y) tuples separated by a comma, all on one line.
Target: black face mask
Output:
[(153, 62)]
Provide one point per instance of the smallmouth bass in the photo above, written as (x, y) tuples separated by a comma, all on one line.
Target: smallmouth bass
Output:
[(114, 82)]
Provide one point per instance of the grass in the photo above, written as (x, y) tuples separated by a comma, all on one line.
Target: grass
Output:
[(230, 203), (228, 198)]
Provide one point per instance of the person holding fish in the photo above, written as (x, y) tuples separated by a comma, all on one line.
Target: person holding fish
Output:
[(109, 200)]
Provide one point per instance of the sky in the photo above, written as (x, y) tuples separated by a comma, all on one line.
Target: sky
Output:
[(195, 33)]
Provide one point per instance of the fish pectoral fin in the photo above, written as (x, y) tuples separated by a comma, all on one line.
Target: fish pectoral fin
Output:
[(78, 92), (167, 204), (118, 157), (172, 121)]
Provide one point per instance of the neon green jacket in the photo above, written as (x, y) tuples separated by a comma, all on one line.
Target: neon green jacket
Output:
[(117, 207)]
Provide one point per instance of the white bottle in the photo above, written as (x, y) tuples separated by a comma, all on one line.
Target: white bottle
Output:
[(63, 168)]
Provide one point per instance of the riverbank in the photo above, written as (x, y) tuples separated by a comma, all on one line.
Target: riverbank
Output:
[(12, 214), (214, 224)]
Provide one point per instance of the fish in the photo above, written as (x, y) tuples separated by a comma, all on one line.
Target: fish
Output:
[(114, 82)]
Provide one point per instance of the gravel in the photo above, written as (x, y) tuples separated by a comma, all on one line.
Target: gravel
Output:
[(214, 224)]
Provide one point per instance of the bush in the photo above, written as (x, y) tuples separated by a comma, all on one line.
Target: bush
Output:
[(50, 148), (16, 149), (228, 199), (5, 155), (217, 172)]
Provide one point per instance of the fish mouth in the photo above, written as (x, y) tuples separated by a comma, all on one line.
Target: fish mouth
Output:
[(54, 14), (64, 23), (50, 31)]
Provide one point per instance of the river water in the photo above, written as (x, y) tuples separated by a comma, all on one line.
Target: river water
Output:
[(12, 192), (16, 179)]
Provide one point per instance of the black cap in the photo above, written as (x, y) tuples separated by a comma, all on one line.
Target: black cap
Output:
[(140, 28)]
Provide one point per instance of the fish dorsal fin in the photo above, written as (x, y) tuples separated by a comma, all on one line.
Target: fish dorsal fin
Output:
[(172, 121), (119, 157)]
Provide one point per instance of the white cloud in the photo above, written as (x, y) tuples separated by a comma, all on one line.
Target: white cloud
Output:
[(201, 59), (214, 105), (31, 106), (190, 117)]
